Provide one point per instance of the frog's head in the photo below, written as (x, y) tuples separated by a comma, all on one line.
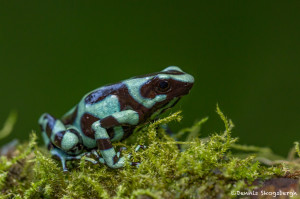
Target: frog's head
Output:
[(161, 91), (171, 82)]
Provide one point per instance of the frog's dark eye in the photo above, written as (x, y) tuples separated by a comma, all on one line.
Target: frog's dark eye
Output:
[(163, 86)]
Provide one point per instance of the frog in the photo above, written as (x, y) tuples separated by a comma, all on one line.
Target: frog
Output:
[(111, 114)]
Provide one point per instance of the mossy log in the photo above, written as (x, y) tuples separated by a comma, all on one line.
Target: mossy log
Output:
[(212, 167)]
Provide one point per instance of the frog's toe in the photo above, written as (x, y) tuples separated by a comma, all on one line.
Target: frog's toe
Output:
[(123, 148), (90, 160), (97, 155), (119, 153), (65, 170), (136, 149)]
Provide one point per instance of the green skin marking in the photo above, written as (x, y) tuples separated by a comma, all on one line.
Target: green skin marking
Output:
[(134, 86), (69, 141)]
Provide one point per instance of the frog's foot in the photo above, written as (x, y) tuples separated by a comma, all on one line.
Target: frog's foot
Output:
[(137, 149), (64, 157), (112, 158), (95, 154)]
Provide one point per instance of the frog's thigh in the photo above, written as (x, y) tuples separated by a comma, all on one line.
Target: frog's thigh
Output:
[(104, 144), (63, 138)]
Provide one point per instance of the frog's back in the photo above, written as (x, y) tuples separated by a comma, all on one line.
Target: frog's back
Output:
[(101, 93), (97, 105)]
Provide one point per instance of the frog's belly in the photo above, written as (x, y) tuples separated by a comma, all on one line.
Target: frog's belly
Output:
[(97, 111)]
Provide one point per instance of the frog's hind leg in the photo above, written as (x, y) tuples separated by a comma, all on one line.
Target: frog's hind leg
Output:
[(55, 132), (45, 136), (63, 143)]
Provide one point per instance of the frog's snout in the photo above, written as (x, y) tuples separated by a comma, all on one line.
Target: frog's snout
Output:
[(189, 78), (189, 82), (187, 87)]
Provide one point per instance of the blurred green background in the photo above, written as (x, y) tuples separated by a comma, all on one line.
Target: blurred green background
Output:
[(244, 55)]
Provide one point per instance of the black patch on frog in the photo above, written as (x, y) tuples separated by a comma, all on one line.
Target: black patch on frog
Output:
[(104, 144), (110, 132), (58, 138), (128, 130), (69, 119), (115, 159), (127, 102), (48, 131), (134, 163), (50, 146), (109, 122), (102, 93), (169, 72), (41, 127), (50, 124), (86, 122)]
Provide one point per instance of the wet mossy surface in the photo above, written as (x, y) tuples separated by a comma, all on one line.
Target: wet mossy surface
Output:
[(195, 167)]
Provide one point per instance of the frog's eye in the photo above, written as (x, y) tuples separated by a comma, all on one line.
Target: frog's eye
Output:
[(163, 86)]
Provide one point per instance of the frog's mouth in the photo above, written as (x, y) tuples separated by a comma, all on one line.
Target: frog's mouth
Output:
[(164, 108), (187, 88), (170, 104)]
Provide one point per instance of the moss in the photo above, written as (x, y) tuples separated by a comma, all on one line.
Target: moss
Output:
[(209, 167)]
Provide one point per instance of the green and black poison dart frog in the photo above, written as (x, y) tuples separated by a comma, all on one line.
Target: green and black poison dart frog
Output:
[(110, 113)]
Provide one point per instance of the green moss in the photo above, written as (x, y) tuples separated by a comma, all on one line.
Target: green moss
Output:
[(206, 167)]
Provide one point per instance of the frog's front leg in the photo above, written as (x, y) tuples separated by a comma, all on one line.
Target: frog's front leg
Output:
[(111, 158), (106, 149)]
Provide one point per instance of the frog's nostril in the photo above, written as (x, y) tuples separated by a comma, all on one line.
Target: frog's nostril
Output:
[(188, 85)]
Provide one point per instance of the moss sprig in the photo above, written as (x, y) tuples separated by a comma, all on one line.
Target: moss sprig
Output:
[(297, 148)]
